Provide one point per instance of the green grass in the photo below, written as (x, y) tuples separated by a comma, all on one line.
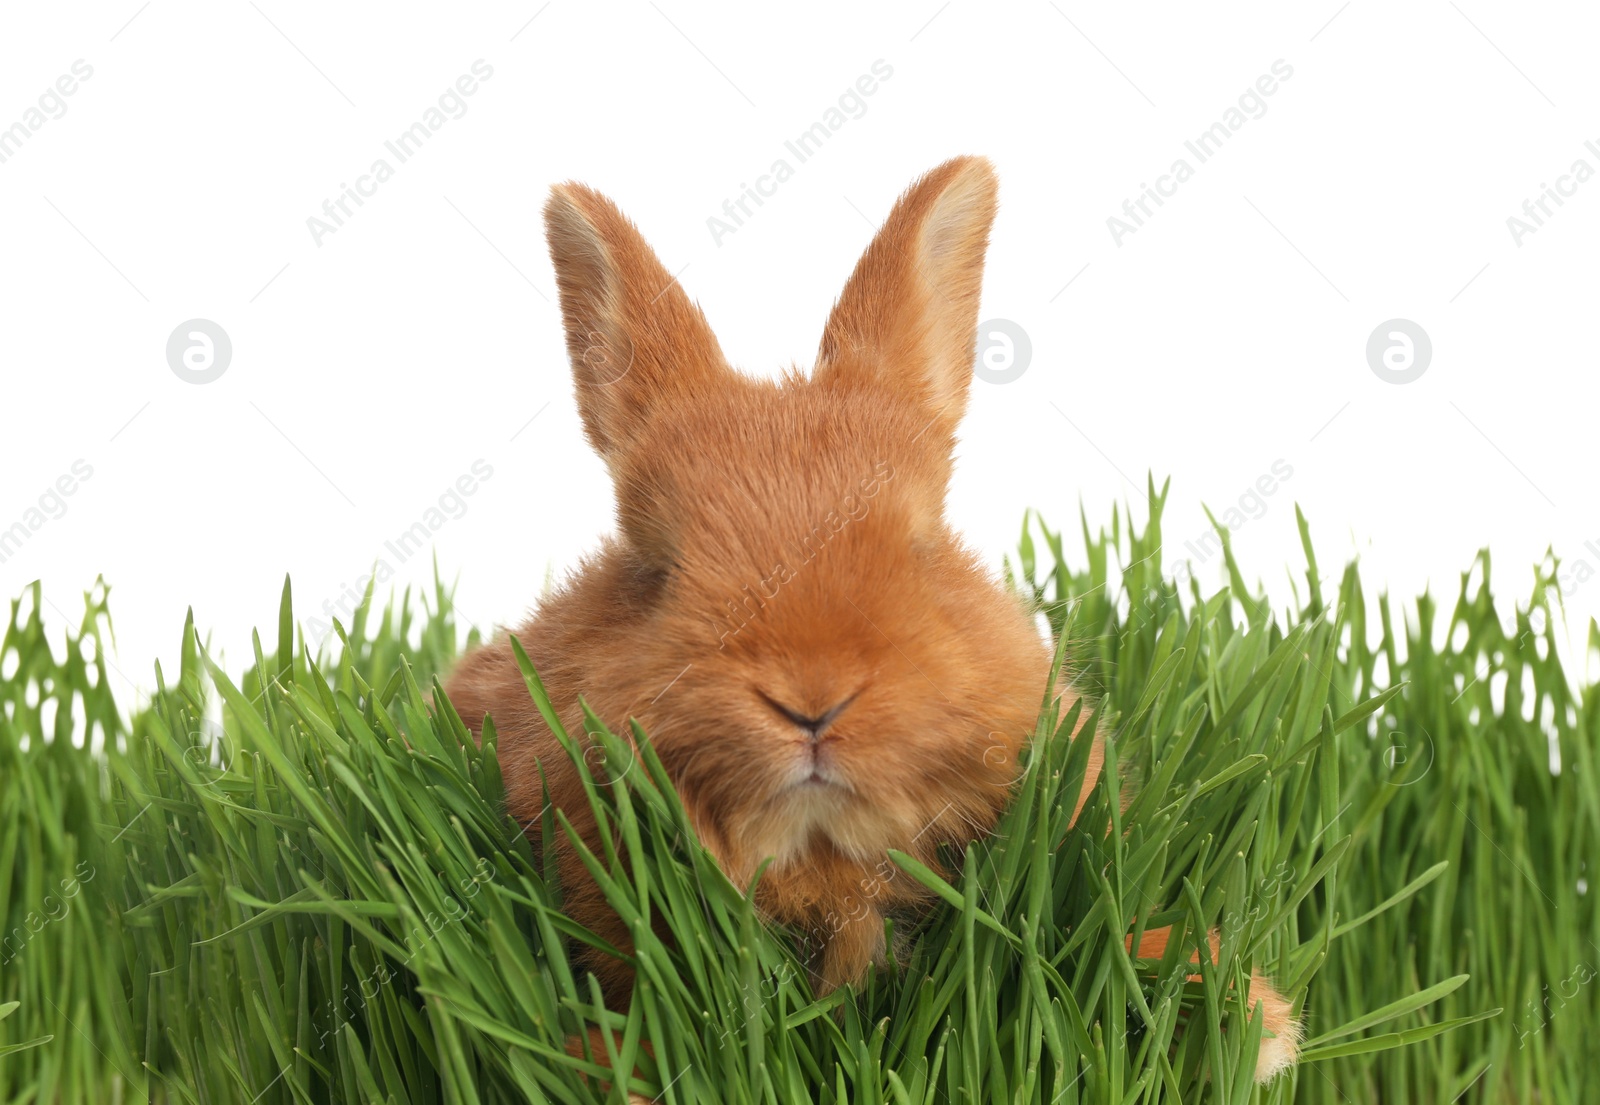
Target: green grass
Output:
[(319, 898)]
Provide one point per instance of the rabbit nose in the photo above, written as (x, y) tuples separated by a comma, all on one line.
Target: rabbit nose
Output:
[(813, 725)]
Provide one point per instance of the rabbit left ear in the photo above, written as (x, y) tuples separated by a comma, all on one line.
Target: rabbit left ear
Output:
[(638, 346), (908, 315)]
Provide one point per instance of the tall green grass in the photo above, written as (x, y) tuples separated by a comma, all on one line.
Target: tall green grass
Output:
[(298, 884)]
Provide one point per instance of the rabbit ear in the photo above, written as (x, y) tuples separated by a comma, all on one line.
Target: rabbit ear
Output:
[(909, 314), (638, 346)]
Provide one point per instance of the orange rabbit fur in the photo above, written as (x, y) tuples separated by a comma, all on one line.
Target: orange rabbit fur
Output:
[(825, 670)]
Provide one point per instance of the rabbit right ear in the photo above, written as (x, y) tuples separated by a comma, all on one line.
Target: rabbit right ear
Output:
[(908, 317), (638, 346)]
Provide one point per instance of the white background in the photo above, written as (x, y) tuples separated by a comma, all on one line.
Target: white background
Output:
[(371, 370)]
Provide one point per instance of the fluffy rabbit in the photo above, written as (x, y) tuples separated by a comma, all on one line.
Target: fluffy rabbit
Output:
[(826, 671)]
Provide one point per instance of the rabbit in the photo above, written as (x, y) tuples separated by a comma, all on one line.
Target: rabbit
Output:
[(824, 669)]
